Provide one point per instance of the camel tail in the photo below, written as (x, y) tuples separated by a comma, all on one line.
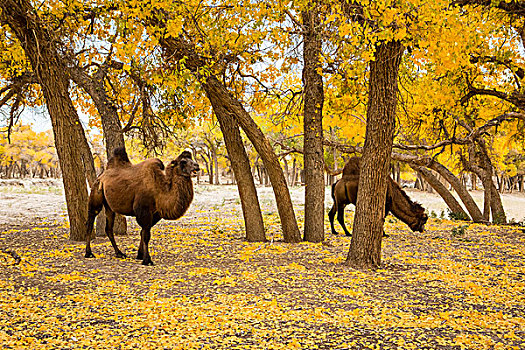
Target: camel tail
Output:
[(333, 190)]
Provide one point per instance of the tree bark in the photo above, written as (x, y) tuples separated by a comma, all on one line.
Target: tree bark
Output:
[(496, 206), (365, 247), (214, 162), (40, 48), (492, 198), (253, 221), (233, 108), (486, 179), (313, 127)]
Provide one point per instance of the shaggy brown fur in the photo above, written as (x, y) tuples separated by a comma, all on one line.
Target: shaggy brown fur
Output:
[(145, 190), (352, 166), (344, 192)]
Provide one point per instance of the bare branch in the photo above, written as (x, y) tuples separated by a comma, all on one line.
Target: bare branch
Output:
[(295, 21)]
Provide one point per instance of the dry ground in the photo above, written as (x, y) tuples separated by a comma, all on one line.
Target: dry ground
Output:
[(456, 286)]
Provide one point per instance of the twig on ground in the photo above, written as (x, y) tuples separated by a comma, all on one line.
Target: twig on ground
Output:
[(13, 254)]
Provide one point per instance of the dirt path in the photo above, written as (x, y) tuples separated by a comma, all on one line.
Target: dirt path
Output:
[(31, 201)]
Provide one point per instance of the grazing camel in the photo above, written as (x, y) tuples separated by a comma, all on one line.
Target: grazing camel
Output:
[(145, 190), (344, 192)]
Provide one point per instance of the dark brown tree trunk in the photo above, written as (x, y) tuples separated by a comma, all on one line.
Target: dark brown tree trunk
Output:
[(498, 212), (365, 247), (233, 108), (500, 180), (418, 185), (213, 172), (253, 221), (40, 48), (209, 168), (496, 206), (452, 203), (486, 179), (474, 181), (313, 127), (492, 198), (87, 157), (111, 128)]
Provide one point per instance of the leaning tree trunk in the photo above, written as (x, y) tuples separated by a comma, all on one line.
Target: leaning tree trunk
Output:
[(496, 206), (486, 179), (214, 88), (111, 128), (492, 199), (313, 128), (460, 189), (453, 204), (209, 167), (253, 221), (365, 247), (498, 212), (41, 50)]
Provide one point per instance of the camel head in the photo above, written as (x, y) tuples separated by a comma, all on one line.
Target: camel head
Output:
[(184, 165), (419, 221)]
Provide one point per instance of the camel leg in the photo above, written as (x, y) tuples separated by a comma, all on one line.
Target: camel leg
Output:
[(146, 221), (94, 207), (110, 221), (331, 216), (140, 252), (388, 209), (90, 221), (341, 217), (145, 235)]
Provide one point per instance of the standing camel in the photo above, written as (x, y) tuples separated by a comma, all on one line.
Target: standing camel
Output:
[(146, 190)]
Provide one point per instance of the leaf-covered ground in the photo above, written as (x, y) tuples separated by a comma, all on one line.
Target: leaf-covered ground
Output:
[(452, 287)]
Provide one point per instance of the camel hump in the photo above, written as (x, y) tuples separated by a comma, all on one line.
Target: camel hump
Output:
[(121, 154), (119, 157), (352, 167)]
